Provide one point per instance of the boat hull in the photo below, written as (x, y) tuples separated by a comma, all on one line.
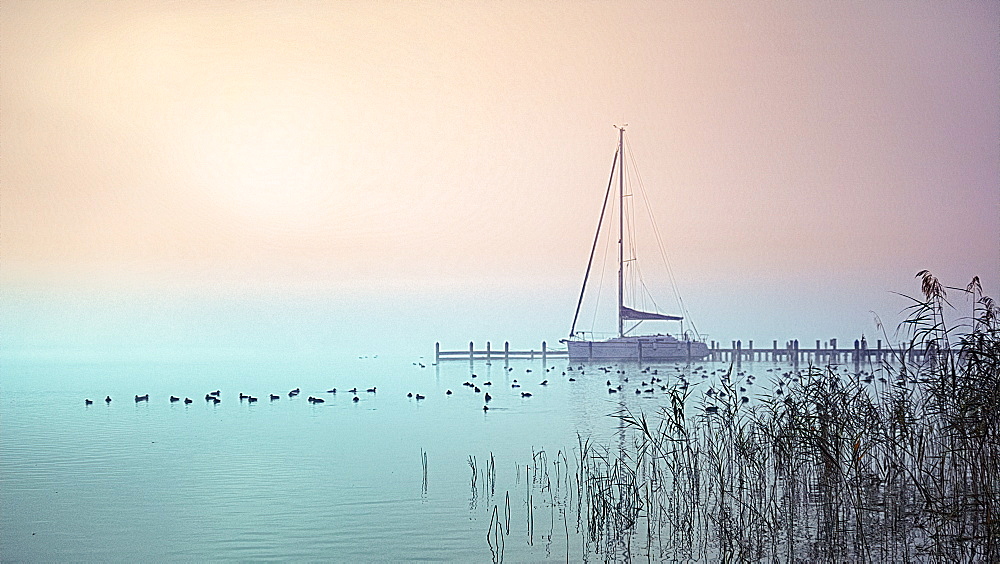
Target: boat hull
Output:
[(637, 349)]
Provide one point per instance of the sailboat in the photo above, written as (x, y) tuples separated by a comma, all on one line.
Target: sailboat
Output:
[(627, 346)]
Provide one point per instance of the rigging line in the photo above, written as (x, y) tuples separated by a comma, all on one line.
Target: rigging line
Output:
[(633, 265), (593, 248), (663, 252)]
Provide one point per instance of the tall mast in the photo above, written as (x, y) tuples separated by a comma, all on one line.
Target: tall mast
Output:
[(621, 227)]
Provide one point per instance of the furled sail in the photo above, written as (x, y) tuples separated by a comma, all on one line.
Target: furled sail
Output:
[(634, 314)]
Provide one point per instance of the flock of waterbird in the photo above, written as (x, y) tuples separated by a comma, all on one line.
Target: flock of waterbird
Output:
[(650, 379)]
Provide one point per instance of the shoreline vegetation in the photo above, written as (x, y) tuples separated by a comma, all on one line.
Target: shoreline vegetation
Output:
[(900, 464)]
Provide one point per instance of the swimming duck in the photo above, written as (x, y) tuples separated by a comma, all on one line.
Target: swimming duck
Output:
[(188, 400), (142, 398), (88, 401), (174, 398), (107, 399)]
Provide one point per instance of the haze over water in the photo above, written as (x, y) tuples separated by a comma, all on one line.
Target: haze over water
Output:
[(199, 196)]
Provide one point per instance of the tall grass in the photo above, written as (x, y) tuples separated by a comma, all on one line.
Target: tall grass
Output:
[(900, 465)]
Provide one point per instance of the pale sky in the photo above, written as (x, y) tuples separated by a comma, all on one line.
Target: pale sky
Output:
[(803, 159)]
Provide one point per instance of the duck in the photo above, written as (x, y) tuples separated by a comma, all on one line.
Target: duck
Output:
[(243, 396), (188, 400), (371, 390), (544, 383), (294, 392), (353, 390), (107, 399), (487, 397), (356, 399), (274, 397), (215, 393), (410, 394), (209, 397), (174, 398), (525, 394), (332, 391), (448, 393), (251, 399), (420, 397), (486, 408), (88, 401), (142, 398), (216, 400)]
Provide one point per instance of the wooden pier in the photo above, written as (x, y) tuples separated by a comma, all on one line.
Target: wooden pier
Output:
[(489, 354), (791, 352)]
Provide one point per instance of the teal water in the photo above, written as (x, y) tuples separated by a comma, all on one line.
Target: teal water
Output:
[(282, 479)]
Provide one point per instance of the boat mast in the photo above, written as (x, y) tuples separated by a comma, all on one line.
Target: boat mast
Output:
[(621, 227)]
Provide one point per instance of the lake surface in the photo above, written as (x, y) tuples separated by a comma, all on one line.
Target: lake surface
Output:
[(385, 478)]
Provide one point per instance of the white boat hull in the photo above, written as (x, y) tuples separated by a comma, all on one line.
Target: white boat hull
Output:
[(637, 349)]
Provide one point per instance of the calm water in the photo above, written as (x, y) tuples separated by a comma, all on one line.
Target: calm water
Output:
[(287, 479)]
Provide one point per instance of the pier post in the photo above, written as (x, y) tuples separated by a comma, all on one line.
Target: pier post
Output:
[(816, 357), (834, 355), (795, 345), (878, 353), (506, 351), (689, 350), (752, 355), (487, 351), (437, 352), (543, 351), (739, 351), (472, 352), (774, 351), (639, 343)]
